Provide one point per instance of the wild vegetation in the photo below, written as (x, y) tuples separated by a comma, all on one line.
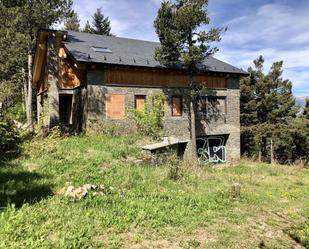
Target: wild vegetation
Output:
[(149, 120), (142, 206), (9, 139)]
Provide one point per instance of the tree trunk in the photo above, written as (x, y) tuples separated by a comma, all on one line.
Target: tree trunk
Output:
[(193, 131), (25, 90), (29, 99), (192, 122), (30, 60)]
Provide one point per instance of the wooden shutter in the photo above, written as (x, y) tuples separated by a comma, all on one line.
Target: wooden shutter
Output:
[(176, 106), (115, 107), (140, 102)]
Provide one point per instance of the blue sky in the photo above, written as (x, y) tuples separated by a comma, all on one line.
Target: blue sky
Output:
[(278, 30)]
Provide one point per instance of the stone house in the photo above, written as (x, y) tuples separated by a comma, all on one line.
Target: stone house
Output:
[(81, 78)]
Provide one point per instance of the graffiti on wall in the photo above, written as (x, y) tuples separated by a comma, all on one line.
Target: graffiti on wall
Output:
[(212, 149)]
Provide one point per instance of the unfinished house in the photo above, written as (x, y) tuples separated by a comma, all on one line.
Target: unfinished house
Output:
[(81, 78)]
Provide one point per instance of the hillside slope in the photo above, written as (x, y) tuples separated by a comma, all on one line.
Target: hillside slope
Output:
[(139, 206)]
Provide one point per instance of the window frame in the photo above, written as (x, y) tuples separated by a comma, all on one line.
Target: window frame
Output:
[(101, 50), (205, 112), (181, 105)]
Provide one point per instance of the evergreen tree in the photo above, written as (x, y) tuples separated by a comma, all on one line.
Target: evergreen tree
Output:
[(306, 110), (180, 26), (248, 115), (276, 103), (13, 54), (101, 24), (87, 28), (248, 96), (24, 19), (267, 105), (72, 23)]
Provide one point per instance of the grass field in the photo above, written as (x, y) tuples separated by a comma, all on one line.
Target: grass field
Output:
[(141, 207)]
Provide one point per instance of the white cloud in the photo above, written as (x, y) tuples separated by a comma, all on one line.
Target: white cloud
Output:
[(276, 31)]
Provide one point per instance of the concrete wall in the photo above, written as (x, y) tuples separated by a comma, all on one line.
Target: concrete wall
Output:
[(176, 126)]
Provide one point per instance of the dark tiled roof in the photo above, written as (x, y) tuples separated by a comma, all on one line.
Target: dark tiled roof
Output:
[(127, 52)]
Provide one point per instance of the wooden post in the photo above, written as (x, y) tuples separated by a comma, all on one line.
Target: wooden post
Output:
[(260, 155), (271, 151)]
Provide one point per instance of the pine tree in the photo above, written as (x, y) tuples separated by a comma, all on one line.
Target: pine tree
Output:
[(306, 110), (248, 104), (101, 24), (180, 26), (276, 101), (87, 28), (72, 23), (13, 54), (248, 95), (267, 104)]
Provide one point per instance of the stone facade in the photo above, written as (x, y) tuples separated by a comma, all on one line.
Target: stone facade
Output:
[(48, 101), (227, 125)]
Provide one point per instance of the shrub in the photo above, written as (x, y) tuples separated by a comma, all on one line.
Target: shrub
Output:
[(175, 170), (9, 138), (101, 128), (110, 127), (149, 121), (290, 141)]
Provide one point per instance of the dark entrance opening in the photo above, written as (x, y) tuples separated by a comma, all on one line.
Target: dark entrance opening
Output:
[(65, 109)]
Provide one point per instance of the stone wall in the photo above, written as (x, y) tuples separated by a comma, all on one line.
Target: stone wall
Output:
[(48, 101)]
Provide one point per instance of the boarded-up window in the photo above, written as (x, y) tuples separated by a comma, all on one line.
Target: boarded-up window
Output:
[(176, 106), (115, 106), (140, 102)]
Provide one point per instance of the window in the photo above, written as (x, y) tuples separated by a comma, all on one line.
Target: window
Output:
[(115, 106), (176, 106), (101, 50), (207, 106), (140, 101)]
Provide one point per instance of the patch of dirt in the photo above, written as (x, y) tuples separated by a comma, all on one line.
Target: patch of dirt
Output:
[(53, 237), (156, 244), (262, 229)]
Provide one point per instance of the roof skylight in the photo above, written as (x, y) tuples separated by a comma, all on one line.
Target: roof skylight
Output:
[(101, 50)]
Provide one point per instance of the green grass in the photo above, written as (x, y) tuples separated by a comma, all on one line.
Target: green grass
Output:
[(141, 207)]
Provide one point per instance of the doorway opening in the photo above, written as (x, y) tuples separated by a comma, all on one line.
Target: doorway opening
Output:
[(65, 109)]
